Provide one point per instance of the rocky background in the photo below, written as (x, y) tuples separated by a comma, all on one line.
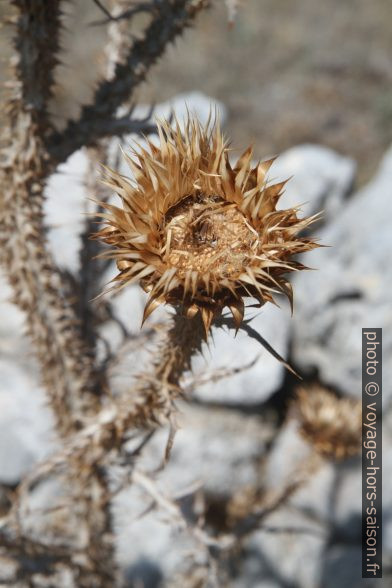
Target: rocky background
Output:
[(239, 436)]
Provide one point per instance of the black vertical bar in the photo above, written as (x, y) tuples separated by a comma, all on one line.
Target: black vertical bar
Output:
[(372, 453)]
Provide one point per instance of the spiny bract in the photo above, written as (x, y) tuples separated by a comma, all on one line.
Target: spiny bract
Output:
[(197, 232)]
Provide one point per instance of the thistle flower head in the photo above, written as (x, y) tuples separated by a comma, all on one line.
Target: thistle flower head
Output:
[(330, 424), (197, 232)]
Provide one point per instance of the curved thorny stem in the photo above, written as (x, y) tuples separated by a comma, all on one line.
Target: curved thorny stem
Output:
[(39, 289), (31, 150)]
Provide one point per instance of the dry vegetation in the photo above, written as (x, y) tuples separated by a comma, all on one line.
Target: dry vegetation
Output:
[(288, 72), (73, 544)]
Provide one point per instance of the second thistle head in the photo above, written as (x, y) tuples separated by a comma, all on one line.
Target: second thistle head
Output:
[(197, 232)]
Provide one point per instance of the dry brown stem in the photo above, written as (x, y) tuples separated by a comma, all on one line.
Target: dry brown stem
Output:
[(39, 291), (75, 384), (97, 120)]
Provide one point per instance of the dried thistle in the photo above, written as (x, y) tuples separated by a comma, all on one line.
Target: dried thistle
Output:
[(198, 233), (330, 424)]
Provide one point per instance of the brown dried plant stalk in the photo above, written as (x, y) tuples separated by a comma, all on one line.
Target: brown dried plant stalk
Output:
[(67, 367), (199, 235), (31, 148), (197, 232)]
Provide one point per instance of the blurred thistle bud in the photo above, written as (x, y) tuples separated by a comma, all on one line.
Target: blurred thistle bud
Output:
[(197, 232), (330, 424)]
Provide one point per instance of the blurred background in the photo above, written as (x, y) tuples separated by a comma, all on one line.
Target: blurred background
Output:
[(312, 82), (288, 72)]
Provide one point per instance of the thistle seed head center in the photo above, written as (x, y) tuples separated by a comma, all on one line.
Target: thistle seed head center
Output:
[(208, 234)]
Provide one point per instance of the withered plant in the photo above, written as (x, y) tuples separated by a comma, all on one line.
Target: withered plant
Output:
[(331, 425), (196, 232)]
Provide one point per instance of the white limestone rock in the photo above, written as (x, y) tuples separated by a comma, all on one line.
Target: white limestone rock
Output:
[(350, 290), (210, 446), (320, 179), (256, 384), (25, 421)]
